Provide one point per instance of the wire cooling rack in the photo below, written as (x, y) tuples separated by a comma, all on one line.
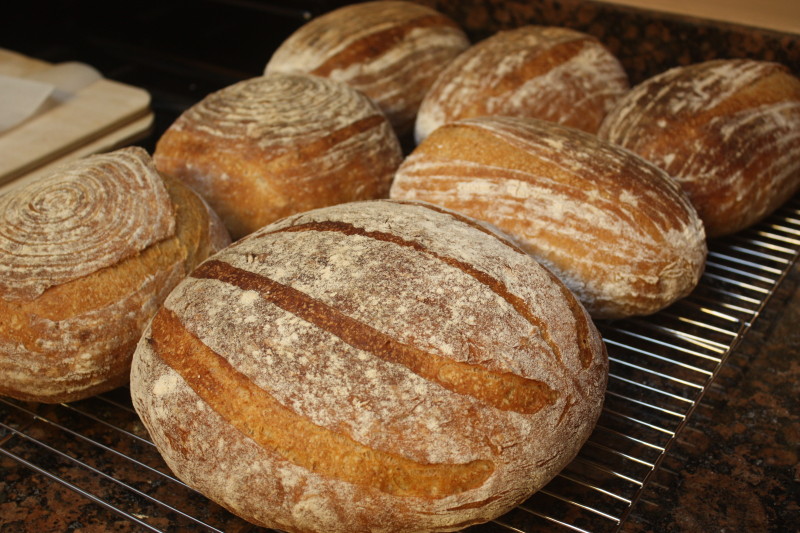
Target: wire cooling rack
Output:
[(660, 367)]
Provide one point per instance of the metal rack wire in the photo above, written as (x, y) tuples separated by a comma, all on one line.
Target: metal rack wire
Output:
[(660, 367)]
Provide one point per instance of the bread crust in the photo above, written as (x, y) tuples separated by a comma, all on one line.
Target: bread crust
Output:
[(616, 229), (726, 130), (275, 145), (70, 328), (390, 51), (376, 366), (543, 72)]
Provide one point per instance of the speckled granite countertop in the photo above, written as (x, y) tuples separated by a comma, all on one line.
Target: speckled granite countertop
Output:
[(734, 467)]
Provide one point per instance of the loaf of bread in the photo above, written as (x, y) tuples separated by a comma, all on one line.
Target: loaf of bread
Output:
[(544, 72), (613, 227), (374, 366), (728, 130), (390, 51), (87, 255), (275, 145)]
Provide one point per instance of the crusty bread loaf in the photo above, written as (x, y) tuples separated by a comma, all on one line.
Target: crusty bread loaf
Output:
[(390, 51), (544, 72), (374, 366), (728, 130), (616, 229), (87, 255), (279, 144)]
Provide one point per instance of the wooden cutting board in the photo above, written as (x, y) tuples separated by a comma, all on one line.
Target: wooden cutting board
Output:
[(101, 116)]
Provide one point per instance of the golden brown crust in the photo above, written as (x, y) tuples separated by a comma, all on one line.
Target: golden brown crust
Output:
[(373, 368), (543, 72), (725, 129), (504, 391), (86, 217), (256, 414), (378, 44), (269, 147), (613, 227), (76, 338), (390, 51)]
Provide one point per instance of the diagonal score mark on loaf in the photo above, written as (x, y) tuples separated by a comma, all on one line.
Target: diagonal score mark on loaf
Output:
[(378, 43), (497, 286), (583, 324), (506, 391), (257, 414)]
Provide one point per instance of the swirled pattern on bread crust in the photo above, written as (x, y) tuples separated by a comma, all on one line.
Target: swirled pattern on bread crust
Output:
[(88, 254), (279, 144)]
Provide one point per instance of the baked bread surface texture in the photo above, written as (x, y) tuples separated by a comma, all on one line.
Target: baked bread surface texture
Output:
[(375, 366), (87, 255), (275, 145), (615, 228), (728, 130), (544, 72), (390, 51)]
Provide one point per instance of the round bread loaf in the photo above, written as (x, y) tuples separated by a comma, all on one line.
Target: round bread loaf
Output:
[(728, 130), (375, 366), (275, 145), (390, 51), (87, 255), (544, 72), (613, 227)]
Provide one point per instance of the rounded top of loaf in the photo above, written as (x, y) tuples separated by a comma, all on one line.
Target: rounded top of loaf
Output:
[(277, 144), (615, 228), (87, 215), (390, 51), (725, 129), (438, 372), (274, 113), (546, 72), (68, 332), (689, 92)]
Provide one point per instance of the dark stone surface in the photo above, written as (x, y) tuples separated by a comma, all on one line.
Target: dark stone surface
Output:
[(735, 466)]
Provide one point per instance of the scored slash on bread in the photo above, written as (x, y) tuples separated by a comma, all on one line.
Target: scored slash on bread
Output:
[(728, 130), (617, 230), (543, 72), (271, 146), (372, 365), (390, 51)]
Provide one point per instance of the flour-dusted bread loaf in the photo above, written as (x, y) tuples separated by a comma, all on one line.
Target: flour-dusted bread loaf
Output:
[(275, 145), (616, 229), (375, 366), (390, 51), (87, 255), (728, 130), (544, 72)]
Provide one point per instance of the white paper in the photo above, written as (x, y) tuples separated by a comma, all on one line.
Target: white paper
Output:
[(23, 97), (20, 98), (68, 78)]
